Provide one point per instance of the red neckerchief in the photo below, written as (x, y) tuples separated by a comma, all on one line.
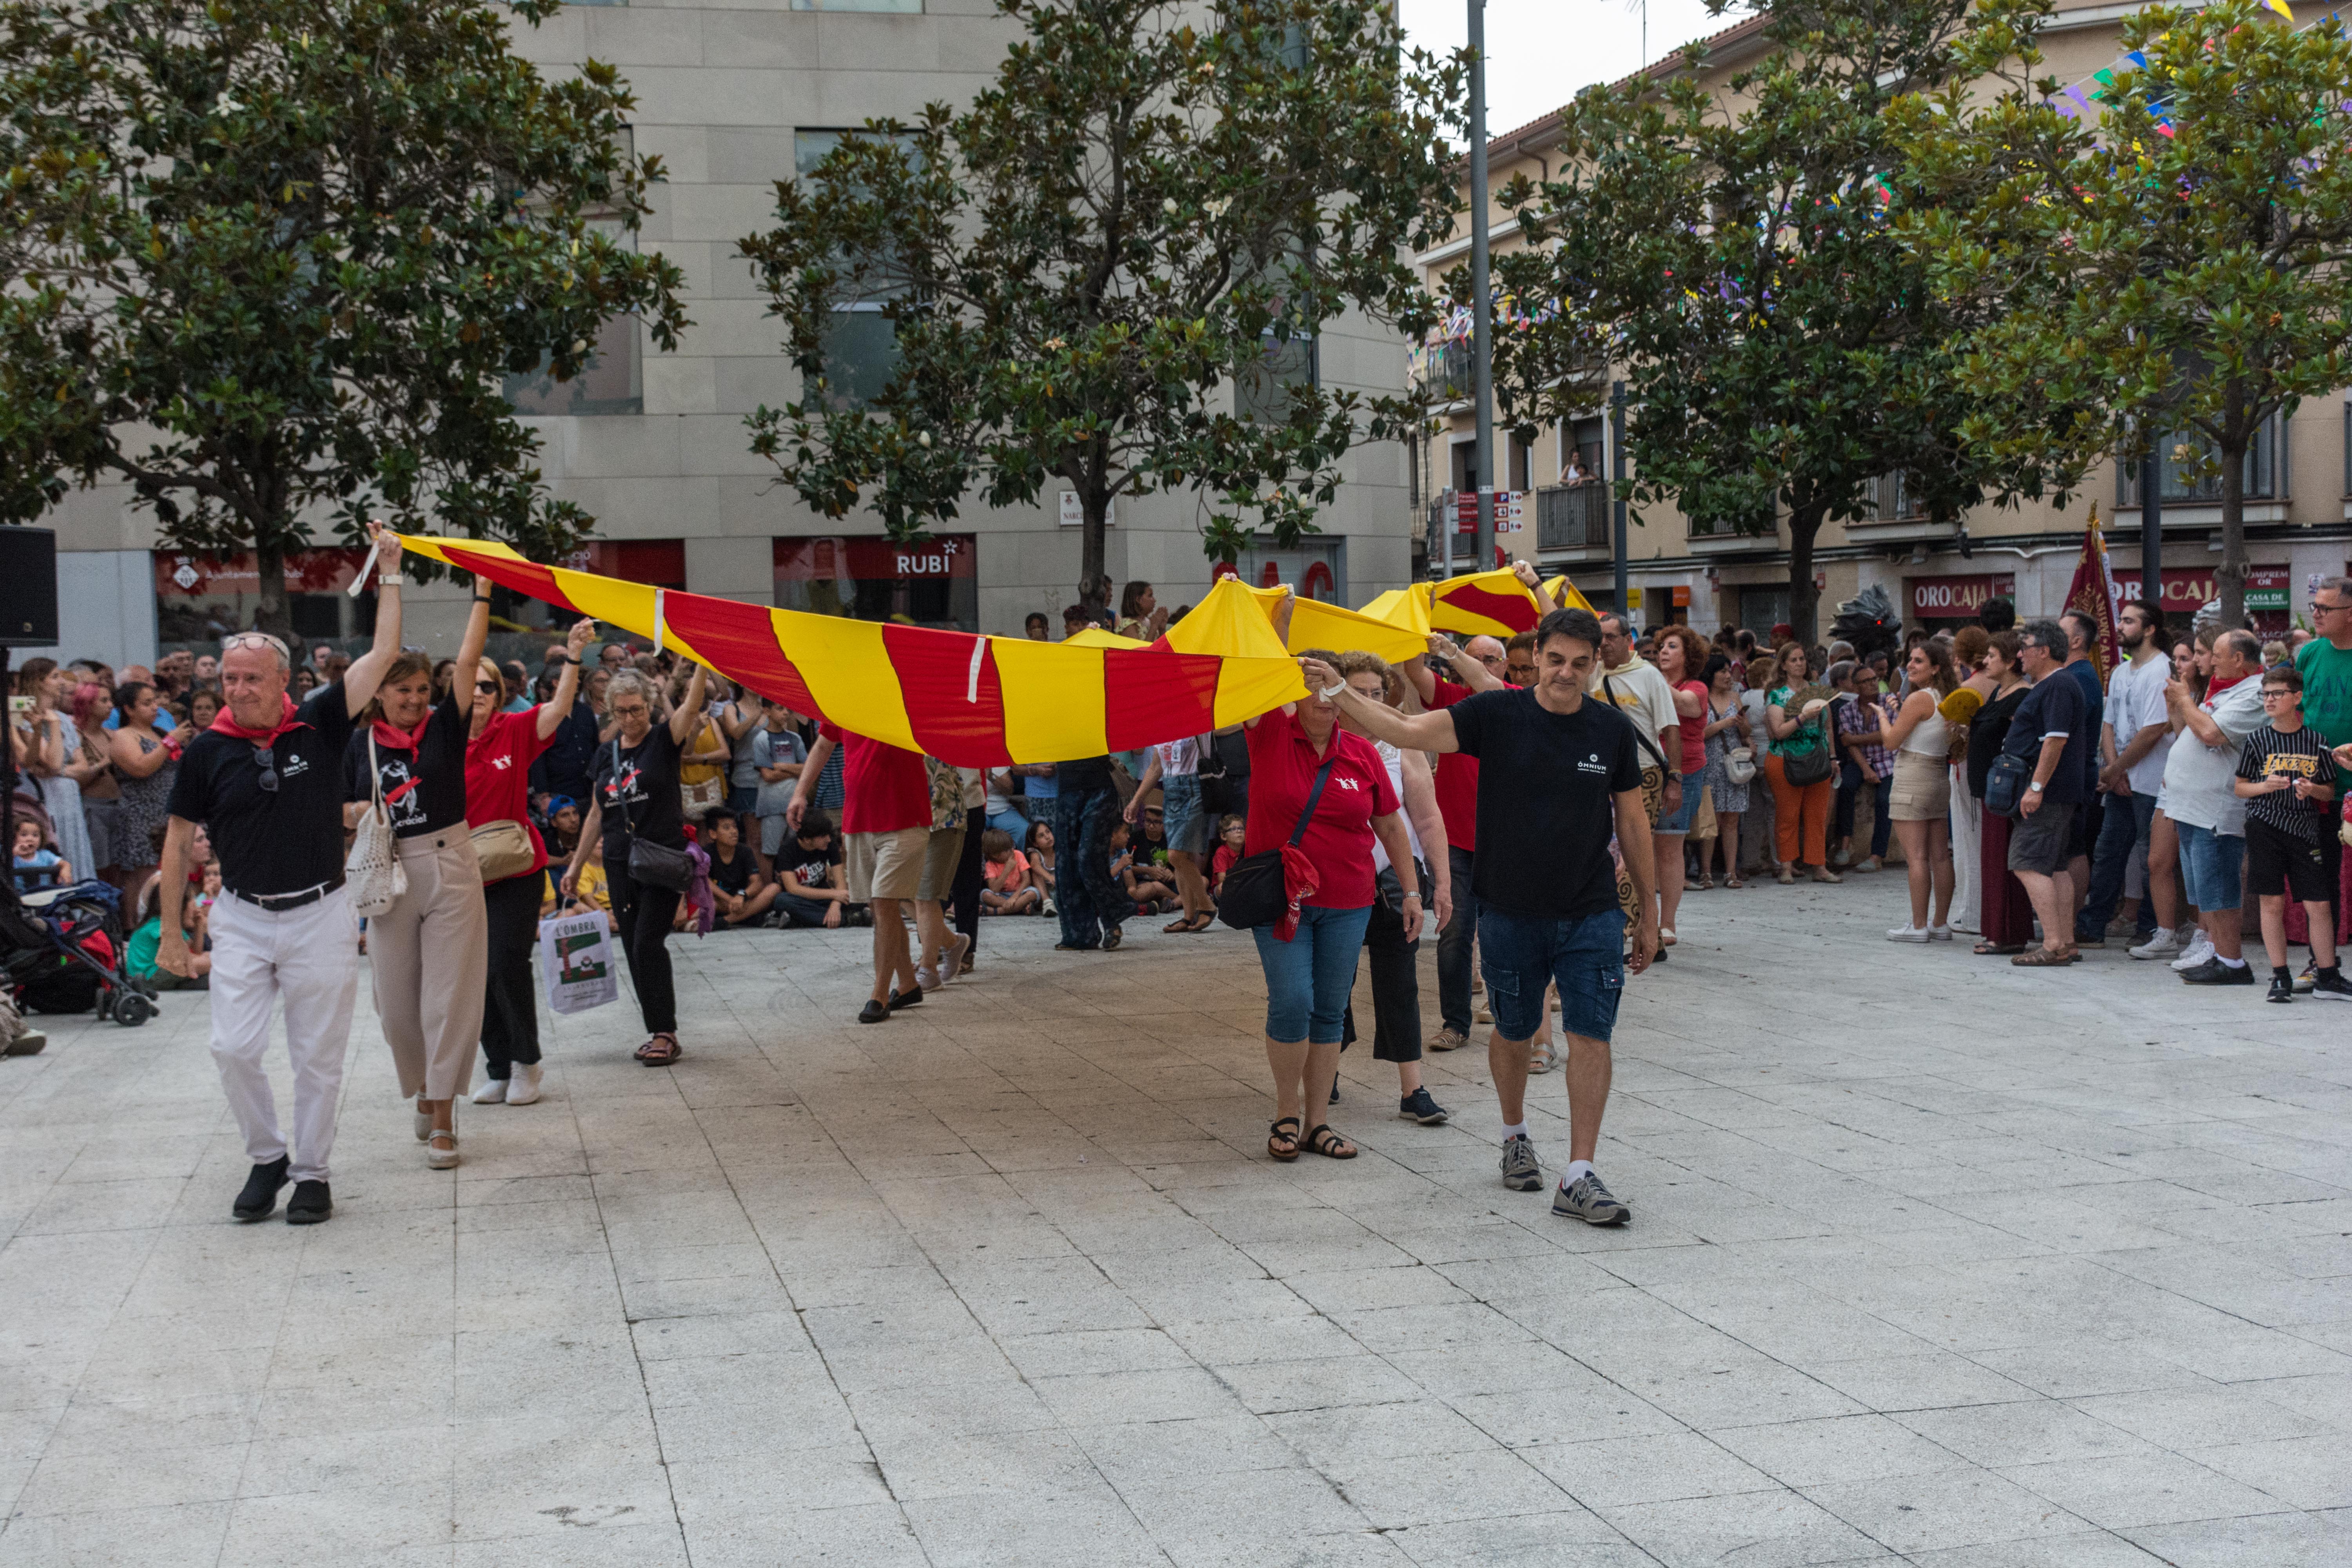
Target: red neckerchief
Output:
[(2219, 686), (226, 725), (401, 740)]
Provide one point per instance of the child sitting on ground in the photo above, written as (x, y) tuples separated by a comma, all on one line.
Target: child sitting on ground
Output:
[(589, 894), (1005, 887), (139, 951), (1231, 834), (1038, 846), (37, 865), (1149, 897), (740, 894), (810, 876)]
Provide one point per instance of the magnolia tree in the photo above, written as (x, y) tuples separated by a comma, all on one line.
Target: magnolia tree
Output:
[(2169, 253), (1728, 250), (273, 258), (1112, 268)]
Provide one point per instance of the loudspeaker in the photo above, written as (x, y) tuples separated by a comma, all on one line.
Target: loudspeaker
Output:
[(29, 587)]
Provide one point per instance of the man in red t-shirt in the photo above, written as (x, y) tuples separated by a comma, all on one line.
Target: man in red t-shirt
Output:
[(1476, 666), (885, 825)]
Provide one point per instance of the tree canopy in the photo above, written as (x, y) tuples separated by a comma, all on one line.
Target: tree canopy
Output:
[(1113, 268), (274, 258)]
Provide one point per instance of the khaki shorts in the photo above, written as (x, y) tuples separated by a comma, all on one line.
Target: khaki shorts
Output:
[(939, 859), (1923, 789), (885, 865)]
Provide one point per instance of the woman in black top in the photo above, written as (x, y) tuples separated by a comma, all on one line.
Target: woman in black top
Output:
[(2004, 916), (428, 955), (636, 795)]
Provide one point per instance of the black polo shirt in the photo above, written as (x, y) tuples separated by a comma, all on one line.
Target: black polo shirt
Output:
[(285, 841)]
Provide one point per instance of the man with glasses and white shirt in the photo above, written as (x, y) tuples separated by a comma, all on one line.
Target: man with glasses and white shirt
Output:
[(266, 781)]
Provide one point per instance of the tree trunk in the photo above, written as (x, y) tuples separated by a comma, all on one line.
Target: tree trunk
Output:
[(271, 612), (1097, 506), (1804, 599), (2229, 577)]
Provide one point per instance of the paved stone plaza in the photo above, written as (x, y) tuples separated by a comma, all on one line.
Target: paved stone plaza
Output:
[(1934, 1261)]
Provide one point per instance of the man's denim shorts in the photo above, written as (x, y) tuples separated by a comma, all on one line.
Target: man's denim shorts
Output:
[(1520, 954), (2211, 864)]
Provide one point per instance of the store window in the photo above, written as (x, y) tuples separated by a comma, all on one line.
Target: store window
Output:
[(859, 352), (1762, 609), (900, 7), (933, 583), (1313, 569), (200, 599), (612, 380)]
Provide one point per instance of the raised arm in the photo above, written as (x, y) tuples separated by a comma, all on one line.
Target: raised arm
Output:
[(688, 712), (558, 708), (366, 672), (1465, 669), (1432, 732)]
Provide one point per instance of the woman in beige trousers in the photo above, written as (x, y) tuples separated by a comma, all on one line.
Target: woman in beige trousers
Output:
[(428, 955)]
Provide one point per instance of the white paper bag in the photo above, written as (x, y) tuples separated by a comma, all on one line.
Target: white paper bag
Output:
[(575, 958)]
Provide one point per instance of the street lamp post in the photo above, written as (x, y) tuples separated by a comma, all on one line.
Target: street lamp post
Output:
[(1482, 343)]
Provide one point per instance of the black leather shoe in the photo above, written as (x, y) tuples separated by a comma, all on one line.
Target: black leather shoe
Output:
[(2213, 972), (874, 1012), (905, 998), (259, 1199), (310, 1204)]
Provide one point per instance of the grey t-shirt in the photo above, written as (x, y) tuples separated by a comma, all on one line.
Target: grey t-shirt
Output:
[(2198, 777)]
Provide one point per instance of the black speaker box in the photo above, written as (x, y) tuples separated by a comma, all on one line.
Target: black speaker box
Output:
[(29, 587)]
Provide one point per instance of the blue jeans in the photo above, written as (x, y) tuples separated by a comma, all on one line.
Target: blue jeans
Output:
[(2123, 832), (1453, 944), (2211, 867), (1849, 794), (1011, 822), (1308, 977), (1087, 901), (1521, 954)]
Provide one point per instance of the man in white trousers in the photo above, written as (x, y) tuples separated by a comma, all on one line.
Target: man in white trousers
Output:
[(266, 783)]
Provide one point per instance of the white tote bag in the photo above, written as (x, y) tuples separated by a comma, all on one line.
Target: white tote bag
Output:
[(575, 961), (373, 875)]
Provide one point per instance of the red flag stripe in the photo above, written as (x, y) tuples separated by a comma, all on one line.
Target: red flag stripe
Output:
[(523, 576), (952, 712), (1144, 689), (1514, 611), (739, 640)]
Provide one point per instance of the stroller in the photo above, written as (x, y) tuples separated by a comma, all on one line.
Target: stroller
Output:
[(62, 950)]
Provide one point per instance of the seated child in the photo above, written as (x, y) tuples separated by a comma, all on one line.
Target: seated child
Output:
[(741, 894), (1038, 847), (1149, 896), (1004, 887), (590, 893), (37, 865), (813, 886), (1231, 835), (139, 951)]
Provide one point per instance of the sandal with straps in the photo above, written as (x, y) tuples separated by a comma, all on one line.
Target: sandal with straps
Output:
[(654, 1054), (1327, 1143), (1283, 1145)]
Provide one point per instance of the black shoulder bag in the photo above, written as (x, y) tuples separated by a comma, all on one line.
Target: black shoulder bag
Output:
[(1255, 894), (655, 865)]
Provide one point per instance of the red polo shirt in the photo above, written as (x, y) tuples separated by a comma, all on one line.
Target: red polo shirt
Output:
[(498, 771), (883, 788), (1457, 780), (1283, 765)]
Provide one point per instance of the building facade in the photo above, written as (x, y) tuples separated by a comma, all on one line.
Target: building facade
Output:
[(2298, 483), (735, 98)]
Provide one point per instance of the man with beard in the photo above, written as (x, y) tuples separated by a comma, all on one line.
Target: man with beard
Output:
[(2134, 739)]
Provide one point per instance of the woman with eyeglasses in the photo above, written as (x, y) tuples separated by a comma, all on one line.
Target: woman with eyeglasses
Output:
[(637, 796), (428, 955), (147, 761)]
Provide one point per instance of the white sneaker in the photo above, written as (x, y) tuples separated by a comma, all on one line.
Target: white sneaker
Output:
[(492, 1092), (2201, 947), (1939, 933), (927, 980), (1906, 933), (952, 961), (523, 1089), (2163, 945)]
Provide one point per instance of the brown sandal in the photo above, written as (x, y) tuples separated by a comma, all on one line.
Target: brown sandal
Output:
[(1283, 1146), (654, 1054), (2042, 958), (1327, 1143)]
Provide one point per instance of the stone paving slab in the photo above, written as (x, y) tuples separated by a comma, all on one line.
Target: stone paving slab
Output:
[(1935, 1262)]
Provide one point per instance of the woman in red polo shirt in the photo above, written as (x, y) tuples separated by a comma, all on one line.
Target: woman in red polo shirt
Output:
[(1310, 968), (499, 748)]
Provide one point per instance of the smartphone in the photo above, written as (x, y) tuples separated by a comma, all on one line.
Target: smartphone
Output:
[(19, 703)]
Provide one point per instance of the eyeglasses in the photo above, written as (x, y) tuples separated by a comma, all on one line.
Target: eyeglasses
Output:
[(489, 687), (268, 763), (2280, 692), (2318, 608)]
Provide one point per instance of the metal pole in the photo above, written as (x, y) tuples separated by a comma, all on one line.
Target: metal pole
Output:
[(1482, 347), (1617, 469), (2151, 527)]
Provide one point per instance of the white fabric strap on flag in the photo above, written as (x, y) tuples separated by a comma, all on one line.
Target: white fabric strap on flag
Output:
[(972, 679), (659, 593)]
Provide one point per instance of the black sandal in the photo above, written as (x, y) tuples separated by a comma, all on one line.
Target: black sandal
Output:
[(1327, 1143), (1997, 949), (654, 1054), (1283, 1146)]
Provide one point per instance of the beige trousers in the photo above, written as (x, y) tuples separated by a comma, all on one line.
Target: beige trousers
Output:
[(429, 957)]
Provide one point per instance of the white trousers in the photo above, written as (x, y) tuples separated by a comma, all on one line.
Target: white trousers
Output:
[(1968, 838), (306, 957)]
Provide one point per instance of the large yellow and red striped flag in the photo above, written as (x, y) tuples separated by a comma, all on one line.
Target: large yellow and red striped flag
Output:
[(1483, 604), (974, 702)]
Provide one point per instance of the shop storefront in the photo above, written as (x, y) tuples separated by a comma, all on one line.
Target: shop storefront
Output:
[(200, 599), (2189, 589), (1315, 569), (934, 584), (1953, 601)]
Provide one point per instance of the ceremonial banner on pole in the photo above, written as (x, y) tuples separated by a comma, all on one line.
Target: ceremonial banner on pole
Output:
[(2093, 593)]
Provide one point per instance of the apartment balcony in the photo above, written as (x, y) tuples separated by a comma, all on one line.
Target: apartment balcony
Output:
[(1574, 524), (2192, 499), (1895, 517), (1720, 536)]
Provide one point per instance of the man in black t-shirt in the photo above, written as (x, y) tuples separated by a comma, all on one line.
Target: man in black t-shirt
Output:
[(1557, 775), (2051, 731), (267, 784)]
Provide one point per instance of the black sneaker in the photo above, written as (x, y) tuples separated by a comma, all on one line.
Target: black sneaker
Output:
[(1522, 1172), (874, 1012), (2282, 987), (310, 1204), (900, 999), (259, 1199), (1418, 1107), (2329, 985), (1112, 937), (2213, 972)]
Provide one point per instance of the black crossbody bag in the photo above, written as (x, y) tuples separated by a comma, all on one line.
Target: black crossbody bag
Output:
[(655, 865), (1255, 894)]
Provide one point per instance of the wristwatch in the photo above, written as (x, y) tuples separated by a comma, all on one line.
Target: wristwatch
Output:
[(2035, 786)]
